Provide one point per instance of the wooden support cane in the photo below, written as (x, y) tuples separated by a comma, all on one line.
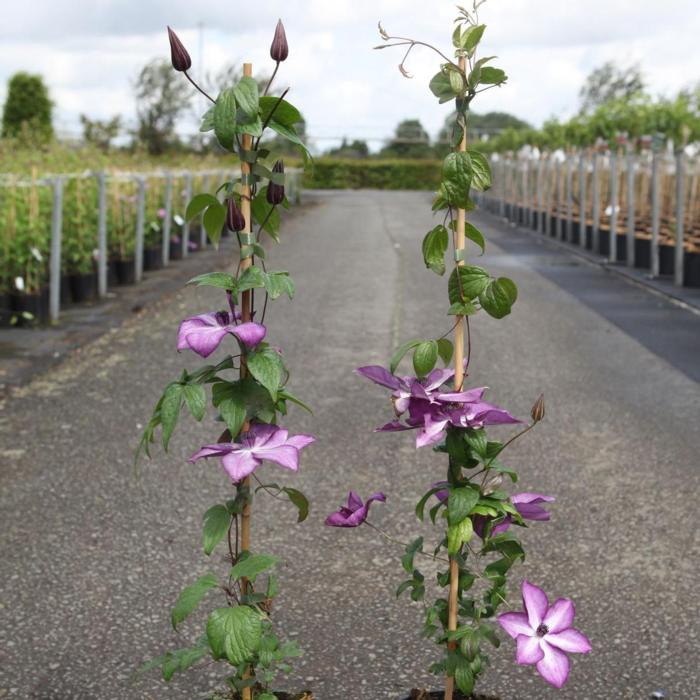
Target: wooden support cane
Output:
[(459, 378)]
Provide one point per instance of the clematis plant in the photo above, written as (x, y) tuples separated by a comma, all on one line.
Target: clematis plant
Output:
[(463, 614), (248, 391)]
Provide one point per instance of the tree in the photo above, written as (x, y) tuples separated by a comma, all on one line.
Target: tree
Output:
[(355, 149), (410, 140), (608, 83), (100, 133), (28, 108), (161, 98)]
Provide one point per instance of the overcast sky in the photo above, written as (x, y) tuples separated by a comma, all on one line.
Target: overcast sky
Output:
[(90, 50)]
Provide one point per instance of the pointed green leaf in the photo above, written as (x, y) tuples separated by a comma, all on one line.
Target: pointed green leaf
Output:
[(400, 352), (498, 297), (225, 119), (266, 366), (247, 96), (213, 221), (198, 204), (221, 280), (252, 566), (460, 502), (473, 234), (285, 113), (445, 349), (251, 278), (170, 411), (481, 170), (300, 501), (196, 400), (466, 283), (424, 357), (191, 596), (459, 534), (234, 633), (217, 521), (434, 247)]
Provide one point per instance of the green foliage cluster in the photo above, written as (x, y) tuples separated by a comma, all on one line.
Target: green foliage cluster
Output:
[(28, 109)]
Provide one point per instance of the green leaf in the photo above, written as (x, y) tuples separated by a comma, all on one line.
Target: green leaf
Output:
[(196, 400), (221, 280), (198, 204), (266, 366), (460, 502), (441, 86), (181, 659), (285, 113), (300, 501), (498, 297), (476, 439), (207, 120), (424, 357), (400, 352), (434, 247), (248, 126), (459, 534), (445, 350), (265, 214), (278, 283), (251, 278), (234, 633), (462, 309), (457, 178), (233, 411), (411, 549), (286, 395), (456, 81), (213, 221), (191, 596), (291, 135), (247, 96), (472, 37), (481, 171), (464, 678), (473, 234), (252, 566), (216, 524), (492, 76), (466, 283), (420, 506), (225, 119), (170, 411)]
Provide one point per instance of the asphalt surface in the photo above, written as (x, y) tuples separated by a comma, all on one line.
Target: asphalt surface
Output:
[(92, 560)]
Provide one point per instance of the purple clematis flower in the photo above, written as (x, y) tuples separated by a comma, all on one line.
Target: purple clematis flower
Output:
[(431, 410), (544, 634), (261, 442), (204, 333), (355, 513)]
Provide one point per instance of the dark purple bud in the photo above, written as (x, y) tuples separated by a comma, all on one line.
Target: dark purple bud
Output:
[(234, 216), (279, 49), (275, 193), (178, 53)]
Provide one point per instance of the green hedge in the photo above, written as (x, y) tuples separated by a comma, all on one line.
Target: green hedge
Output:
[(346, 173)]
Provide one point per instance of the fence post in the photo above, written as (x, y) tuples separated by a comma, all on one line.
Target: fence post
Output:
[(203, 233), (569, 198), (186, 225), (631, 229), (167, 219), (502, 188), (655, 211), (55, 259), (612, 253), (558, 226), (540, 194), (595, 243), (583, 203), (140, 219), (679, 251), (548, 197), (102, 234), (526, 193)]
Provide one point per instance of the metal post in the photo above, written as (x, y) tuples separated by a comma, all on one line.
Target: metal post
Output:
[(186, 225), (569, 198), (655, 213), (595, 244), (548, 199), (680, 215), (502, 188), (167, 219), (540, 194), (612, 253), (630, 206), (557, 175), (102, 234), (203, 233), (55, 260), (140, 218), (526, 193), (583, 204)]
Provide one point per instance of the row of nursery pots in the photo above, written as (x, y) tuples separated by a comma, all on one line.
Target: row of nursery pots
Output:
[(23, 308)]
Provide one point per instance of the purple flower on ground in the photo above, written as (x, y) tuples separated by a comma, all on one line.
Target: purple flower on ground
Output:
[(355, 513), (204, 333), (261, 442), (431, 410), (544, 635)]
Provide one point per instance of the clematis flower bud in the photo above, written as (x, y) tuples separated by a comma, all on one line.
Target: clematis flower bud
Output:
[(537, 412), (275, 192), (178, 53), (234, 216), (279, 50)]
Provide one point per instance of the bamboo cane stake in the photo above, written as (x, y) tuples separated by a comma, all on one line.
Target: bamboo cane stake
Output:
[(459, 379)]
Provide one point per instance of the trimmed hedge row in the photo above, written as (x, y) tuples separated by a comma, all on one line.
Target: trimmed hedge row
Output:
[(346, 173)]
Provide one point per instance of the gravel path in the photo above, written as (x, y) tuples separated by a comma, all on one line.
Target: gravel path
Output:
[(92, 559)]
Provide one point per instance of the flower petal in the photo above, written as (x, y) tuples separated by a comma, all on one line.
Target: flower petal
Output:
[(393, 427), (240, 464), (300, 441), (286, 456), (354, 501), (200, 338), (554, 666), (380, 376), (437, 378), (432, 432), (250, 334), (219, 449), (515, 624), (530, 497), (560, 615), (535, 603), (570, 641), (528, 649)]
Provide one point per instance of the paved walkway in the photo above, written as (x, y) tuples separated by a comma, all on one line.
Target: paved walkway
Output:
[(92, 561)]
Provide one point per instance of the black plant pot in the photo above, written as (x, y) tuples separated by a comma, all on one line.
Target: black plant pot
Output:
[(621, 247), (176, 250), (535, 220), (440, 695), (83, 287), (112, 280), (589, 237), (642, 253), (666, 259), (603, 243), (5, 310), (691, 270), (66, 298), (575, 233), (124, 271), (35, 304), (152, 258)]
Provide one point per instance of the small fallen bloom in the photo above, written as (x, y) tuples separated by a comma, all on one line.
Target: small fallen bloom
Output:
[(204, 333), (355, 513), (261, 442), (544, 635)]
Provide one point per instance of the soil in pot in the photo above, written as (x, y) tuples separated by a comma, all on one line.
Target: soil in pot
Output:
[(83, 287), (152, 258), (124, 271), (440, 695), (30, 309)]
